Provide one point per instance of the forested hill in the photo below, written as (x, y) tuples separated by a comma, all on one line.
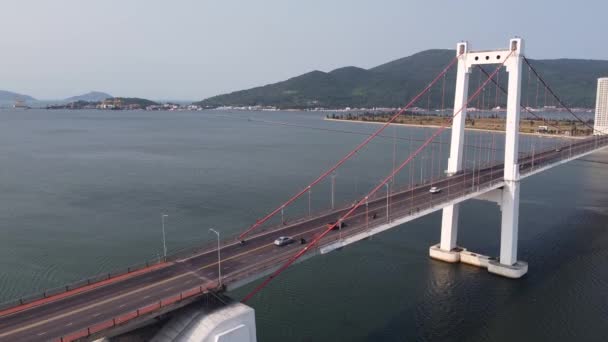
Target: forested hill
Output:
[(393, 83)]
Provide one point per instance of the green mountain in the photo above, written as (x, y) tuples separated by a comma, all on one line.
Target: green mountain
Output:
[(394, 83), (9, 96), (129, 101), (93, 96)]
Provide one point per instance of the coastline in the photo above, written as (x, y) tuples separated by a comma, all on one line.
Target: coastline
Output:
[(466, 128)]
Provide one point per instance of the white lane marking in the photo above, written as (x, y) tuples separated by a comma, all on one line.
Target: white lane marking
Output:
[(105, 301), (146, 297), (67, 325), (42, 333), (122, 305), (169, 288), (97, 314)]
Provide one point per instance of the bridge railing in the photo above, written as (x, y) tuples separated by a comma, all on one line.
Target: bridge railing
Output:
[(378, 196), (79, 284), (567, 151), (456, 188), (210, 246), (254, 270), (137, 313), (152, 308), (564, 151)]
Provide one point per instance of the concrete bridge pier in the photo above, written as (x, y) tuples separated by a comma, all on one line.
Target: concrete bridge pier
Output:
[(212, 318), (234, 322), (507, 264), (447, 250)]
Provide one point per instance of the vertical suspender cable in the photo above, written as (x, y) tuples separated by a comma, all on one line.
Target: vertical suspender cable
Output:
[(316, 240), (352, 152)]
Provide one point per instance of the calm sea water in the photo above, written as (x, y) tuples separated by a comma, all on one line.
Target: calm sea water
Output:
[(81, 192)]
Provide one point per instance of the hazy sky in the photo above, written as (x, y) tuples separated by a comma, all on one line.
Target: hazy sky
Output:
[(192, 49)]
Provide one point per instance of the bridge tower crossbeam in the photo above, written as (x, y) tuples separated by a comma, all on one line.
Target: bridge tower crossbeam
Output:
[(508, 197)]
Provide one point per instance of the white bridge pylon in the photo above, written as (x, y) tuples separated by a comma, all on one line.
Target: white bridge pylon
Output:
[(508, 197)]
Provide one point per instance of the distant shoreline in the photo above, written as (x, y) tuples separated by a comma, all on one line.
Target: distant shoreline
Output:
[(466, 128)]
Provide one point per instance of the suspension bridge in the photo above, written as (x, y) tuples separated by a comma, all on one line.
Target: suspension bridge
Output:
[(114, 303)]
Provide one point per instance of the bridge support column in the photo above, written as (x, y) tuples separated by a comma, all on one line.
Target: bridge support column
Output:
[(447, 250), (507, 265), (508, 198)]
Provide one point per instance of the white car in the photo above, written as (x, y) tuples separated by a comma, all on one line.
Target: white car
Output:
[(434, 190), (283, 241)]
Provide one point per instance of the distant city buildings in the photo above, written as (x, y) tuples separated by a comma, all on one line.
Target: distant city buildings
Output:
[(20, 103), (601, 107), (117, 103), (111, 103), (255, 108)]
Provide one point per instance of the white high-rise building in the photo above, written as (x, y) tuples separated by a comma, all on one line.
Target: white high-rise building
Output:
[(601, 107)]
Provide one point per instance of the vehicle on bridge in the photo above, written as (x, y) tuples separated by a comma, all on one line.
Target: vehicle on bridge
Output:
[(283, 241), (434, 190), (335, 226)]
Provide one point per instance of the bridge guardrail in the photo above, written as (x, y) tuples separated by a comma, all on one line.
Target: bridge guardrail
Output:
[(167, 301), (133, 314), (476, 185), (187, 252), (48, 293)]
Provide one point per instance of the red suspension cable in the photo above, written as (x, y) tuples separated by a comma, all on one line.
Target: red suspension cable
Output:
[(537, 91), (316, 240), (350, 154), (496, 95), (528, 90), (557, 98), (522, 106)]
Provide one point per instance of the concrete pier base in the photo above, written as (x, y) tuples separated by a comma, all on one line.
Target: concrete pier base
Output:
[(514, 271), (474, 259), (232, 323), (452, 256), (465, 256)]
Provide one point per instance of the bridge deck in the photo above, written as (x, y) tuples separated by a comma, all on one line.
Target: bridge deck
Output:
[(100, 310)]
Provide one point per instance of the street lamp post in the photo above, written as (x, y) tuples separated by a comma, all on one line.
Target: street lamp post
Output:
[(219, 256), (162, 219), (472, 162), (422, 159), (532, 156), (387, 206), (333, 185)]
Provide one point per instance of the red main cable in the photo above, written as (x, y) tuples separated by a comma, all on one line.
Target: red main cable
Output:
[(350, 154), (316, 240)]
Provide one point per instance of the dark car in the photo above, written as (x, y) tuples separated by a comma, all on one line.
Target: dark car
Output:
[(335, 226)]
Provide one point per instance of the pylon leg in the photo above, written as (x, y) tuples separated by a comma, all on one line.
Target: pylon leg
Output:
[(508, 265)]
